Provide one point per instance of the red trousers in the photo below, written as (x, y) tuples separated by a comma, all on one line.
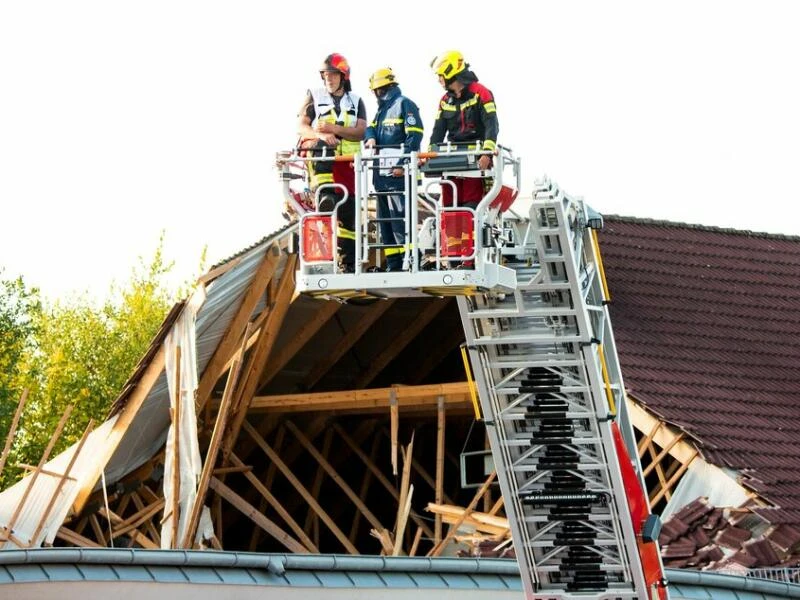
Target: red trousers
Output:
[(458, 229)]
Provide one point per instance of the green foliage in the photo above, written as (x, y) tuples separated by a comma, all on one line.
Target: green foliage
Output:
[(83, 354), (19, 311)]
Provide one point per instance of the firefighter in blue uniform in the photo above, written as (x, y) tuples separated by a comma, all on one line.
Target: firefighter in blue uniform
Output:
[(397, 125)]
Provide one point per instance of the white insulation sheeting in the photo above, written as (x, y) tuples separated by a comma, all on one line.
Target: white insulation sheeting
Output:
[(32, 517), (185, 455)]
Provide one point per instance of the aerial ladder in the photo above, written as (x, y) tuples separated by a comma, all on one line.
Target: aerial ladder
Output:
[(533, 299)]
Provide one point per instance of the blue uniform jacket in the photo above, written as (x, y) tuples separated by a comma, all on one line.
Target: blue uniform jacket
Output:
[(396, 122)]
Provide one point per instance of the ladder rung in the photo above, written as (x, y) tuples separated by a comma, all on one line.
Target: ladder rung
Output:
[(504, 313), (549, 543), (527, 339), (588, 497)]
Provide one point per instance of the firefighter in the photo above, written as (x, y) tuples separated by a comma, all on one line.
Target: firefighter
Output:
[(465, 117), (332, 121), (397, 126)]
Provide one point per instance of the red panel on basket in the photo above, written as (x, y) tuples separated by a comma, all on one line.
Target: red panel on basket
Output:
[(457, 231), (317, 242), (505, 198)]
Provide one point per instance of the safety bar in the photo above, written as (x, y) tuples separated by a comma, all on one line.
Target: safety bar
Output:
[(293, 167)]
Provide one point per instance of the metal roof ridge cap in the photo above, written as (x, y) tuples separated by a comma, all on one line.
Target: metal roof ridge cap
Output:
[(118, 556), (401, 563), (276, 563), (732, 582)]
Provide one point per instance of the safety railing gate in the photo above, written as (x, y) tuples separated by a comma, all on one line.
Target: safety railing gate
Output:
[(553, 400), (475, 264)]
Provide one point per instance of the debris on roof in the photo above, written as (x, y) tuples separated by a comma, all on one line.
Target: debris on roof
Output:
[(703, 537)]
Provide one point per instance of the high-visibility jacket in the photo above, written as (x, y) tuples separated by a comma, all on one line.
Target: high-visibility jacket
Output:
[(396, 122), (325, 112), (469, 118)]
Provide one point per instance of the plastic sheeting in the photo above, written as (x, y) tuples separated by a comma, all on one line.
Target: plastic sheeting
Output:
[(704, 479), (31, 525), (186, 454)]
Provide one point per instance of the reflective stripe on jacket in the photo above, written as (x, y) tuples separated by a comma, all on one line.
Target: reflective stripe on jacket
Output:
[(471, 117), (325, 112), (396, 122)]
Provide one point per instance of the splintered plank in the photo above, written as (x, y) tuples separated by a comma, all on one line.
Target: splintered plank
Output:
[(437, 549), (370, 464)]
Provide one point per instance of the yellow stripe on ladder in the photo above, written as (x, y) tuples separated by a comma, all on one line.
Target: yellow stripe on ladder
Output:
[(609, 393), (470, 382), (606, 294)]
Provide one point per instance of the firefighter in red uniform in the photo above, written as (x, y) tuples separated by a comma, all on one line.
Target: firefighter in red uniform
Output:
[(331, 122), (466, 117)]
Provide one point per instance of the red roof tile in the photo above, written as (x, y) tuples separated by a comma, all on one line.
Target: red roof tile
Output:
[(732, 537), (708, 331)]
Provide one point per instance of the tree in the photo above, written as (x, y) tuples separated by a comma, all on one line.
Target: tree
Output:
[(19, 311), (84, 353)]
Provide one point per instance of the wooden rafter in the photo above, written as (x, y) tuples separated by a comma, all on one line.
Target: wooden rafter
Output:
[(648, 439), (439, 491), (270, 499), (207, 278), (213, 448), (63, 480), (437, 549), (657, 458), (176, 453), (9, 528), (299, 487), (252, 513), (316, 486), (365, 485), (397, 345), (302, 336), (370, 464), (404, 504), (422, 472), (456, 395), (337, 479), (152, 532), (348, 341), (138, 518), (135, 535), (71, 537), (260, 353), (13, 429), (231, 339), (674, 477), (645, 422), (270, 477)]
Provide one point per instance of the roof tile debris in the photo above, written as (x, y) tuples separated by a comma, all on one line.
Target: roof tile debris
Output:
[(701, 536), (708, 334)]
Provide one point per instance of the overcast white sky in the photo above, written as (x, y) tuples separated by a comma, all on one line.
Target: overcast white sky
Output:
[(122, 119)]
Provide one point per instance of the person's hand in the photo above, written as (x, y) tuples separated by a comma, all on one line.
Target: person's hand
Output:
[(484, 162), (328, 138), (397, 172), (324, 127), (370, 143)]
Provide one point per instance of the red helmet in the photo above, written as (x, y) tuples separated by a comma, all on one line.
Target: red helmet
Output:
[(336, 63)]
